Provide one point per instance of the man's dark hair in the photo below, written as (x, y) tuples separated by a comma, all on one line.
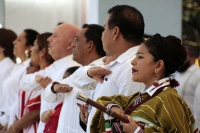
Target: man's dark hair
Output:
[(130, 22), (94, 33), (192, 51)]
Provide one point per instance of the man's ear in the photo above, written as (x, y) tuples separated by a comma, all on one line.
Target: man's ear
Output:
[(115, 33), (70, 44), (90, 46)]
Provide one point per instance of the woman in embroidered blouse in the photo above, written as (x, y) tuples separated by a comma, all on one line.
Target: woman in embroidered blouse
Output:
[(158, 107)]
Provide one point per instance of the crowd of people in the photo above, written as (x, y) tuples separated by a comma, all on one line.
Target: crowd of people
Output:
[(154, 83)]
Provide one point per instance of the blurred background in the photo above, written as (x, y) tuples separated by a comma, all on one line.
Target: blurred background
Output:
[(176, 17)]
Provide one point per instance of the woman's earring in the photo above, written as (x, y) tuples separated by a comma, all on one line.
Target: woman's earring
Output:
[(155, 82)]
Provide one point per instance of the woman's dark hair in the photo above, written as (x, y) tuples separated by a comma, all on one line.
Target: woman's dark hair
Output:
[(30, 36), (130, 22), (169, 49), (43, 43), (6, 41)]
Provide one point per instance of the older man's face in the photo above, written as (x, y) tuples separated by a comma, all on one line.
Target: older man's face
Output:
[(57, 43)]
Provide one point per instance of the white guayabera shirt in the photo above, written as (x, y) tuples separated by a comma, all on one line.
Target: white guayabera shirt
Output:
[(55, 71), (118, 82), (69, 116)]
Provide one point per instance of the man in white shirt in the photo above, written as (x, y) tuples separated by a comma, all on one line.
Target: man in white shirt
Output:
[(87, 50), (124, 28), (60, 48), (122, 34), (188, 75)]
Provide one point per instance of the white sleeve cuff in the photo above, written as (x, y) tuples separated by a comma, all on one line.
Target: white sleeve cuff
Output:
[(109, 106), (48, 95), (138, 129), (85, 71)]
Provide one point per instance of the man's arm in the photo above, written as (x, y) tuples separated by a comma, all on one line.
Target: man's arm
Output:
[(79, 79)]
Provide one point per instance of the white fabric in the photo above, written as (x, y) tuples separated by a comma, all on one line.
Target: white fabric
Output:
[(27, 100), (55, 72), (69, 116), (152, 89), (188, 84), (137, 129), (196, 107), (118, 82), (11, 85), (6, 66)]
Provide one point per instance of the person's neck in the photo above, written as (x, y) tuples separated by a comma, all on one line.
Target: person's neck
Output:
[(120, 50), (2, 56), (44, 64), (89, 59), (22, 58), (62, 56), (150, 82)]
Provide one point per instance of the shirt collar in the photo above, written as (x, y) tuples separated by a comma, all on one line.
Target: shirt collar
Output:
[(97, 62), (59, 63), (128, 54), (162, 83), (4, 60), (124, 56)]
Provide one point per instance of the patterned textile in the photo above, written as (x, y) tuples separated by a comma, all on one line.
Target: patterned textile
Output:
[(28, 101), (52, 123), (166, 112)]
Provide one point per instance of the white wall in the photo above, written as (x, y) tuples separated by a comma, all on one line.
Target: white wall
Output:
[(41, 15), (160, 16)]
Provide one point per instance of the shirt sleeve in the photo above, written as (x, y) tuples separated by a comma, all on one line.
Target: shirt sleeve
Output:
[(76, 80), (49, 96), (196, 106), (28, 82), (125, 84), (85, 79)]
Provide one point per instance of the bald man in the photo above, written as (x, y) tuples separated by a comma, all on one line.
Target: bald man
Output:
[(60, 48)]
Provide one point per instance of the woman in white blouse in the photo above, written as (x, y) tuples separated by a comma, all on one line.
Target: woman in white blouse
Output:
[(11, 85), (6, 54)]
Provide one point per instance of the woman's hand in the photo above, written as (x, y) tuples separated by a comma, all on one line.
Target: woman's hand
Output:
[(43, 81), (117, 110), (4, 130), (131, 126), (84, 112), (11, 129)]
